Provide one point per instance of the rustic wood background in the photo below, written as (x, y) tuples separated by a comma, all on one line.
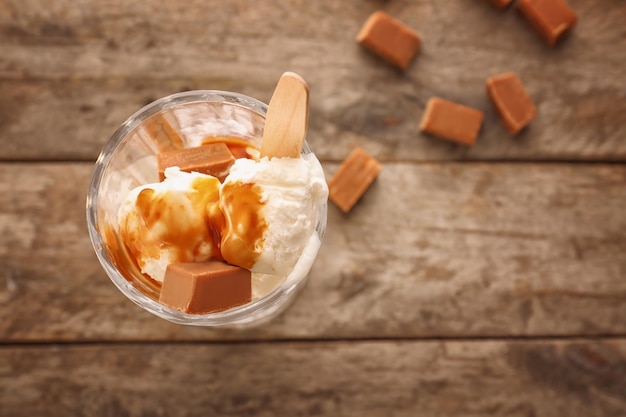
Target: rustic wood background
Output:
[(467, 282)]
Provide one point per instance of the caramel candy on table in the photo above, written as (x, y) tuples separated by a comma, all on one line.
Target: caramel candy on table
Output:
[(501, 4), (205, 287), (514, 105), (551, 18), (452, 121), (352, 179), (213, 159), (390, 38)]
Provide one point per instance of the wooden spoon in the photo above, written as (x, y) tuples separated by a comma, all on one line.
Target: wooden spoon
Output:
[(287, 118)]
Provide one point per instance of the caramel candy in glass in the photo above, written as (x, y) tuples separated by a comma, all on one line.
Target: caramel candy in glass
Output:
[(212, 159), (390, 38), (514, 105), (205, 287), (163, 133), (551, 18), (452, 121), (352, 179)]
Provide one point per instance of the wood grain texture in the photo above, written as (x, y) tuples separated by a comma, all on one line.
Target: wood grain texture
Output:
[(512, 379), (467, 281), (71, 72), (431, 250)]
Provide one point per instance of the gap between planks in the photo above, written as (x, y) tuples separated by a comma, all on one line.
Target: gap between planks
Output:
[(469, 339)]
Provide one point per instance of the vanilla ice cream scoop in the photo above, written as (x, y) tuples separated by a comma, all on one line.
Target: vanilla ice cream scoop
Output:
[(270, 209), (176, 220)]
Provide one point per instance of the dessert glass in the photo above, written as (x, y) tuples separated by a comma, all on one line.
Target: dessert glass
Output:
[(129, 159)]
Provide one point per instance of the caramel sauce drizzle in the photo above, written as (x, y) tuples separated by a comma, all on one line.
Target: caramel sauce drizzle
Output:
[(242, 238), (167, 222)]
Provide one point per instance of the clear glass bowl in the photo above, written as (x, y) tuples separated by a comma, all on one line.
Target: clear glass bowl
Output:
[(129, 159)]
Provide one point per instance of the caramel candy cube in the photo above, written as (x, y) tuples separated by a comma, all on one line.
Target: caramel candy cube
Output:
[(352, 179), (213, 159), (514, 105), (501, 4), (551, 18), (205, 287), (390, 38), (451, 121), (163, 134)]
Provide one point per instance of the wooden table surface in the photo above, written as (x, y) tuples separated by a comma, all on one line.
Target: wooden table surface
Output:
[(477, 281)]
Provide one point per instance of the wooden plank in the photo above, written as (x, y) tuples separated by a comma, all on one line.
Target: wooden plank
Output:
[(432, 250), (576, 378), (70, 74)]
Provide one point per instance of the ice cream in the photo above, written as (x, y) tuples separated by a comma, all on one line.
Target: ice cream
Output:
[(270, 210), (176, 220), (261, 218)]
